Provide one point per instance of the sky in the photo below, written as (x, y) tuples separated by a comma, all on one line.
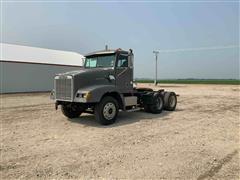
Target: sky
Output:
[(142, 26)]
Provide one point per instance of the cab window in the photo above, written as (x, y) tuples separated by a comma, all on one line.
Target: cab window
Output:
[(90, 63), (122, 61), (100, 61)]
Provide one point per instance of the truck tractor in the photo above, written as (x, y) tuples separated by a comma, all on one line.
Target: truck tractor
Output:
[(104, 86)]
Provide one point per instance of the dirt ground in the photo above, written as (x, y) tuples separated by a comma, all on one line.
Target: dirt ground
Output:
[(200, 140)]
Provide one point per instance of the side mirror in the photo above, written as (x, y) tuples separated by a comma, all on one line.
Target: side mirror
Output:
[(130, 60), (83, 61)]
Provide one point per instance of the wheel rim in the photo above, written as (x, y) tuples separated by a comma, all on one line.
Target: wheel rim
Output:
[(69, 109), (172, 101), (109, 111), (159, 103)]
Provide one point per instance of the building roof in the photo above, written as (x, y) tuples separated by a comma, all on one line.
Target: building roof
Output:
[(26, 54)]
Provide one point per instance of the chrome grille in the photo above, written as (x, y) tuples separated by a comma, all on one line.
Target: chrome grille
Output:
[(63, 88)]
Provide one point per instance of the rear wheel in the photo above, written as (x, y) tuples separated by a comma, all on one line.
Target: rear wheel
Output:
[(157, 105), (107, 110), (72, 111), (170, 101)]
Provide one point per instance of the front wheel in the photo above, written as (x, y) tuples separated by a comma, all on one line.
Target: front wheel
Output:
[(107, 110), (72, 111)]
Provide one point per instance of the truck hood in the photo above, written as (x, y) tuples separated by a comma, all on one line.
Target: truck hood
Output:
[(86, 71), (86, 78)]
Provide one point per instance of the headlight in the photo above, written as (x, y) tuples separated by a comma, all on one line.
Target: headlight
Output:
[(84, 95), (87, 96)]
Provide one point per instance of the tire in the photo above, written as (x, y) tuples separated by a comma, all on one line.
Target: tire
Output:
[(71, 111), (107, 110), (170, 101), (147, 108), (157, 105)]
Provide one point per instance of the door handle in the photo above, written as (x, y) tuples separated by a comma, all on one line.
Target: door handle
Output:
[(110, 77)]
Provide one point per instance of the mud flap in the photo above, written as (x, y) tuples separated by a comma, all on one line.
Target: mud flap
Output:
[(56, 105)]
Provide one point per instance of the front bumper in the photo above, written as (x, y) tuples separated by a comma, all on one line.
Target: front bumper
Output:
[(80, 97)]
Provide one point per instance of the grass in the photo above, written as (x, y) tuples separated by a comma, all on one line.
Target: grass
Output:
[(193, 81)]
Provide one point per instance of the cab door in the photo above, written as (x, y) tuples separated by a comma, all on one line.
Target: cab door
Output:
[(124, 73)]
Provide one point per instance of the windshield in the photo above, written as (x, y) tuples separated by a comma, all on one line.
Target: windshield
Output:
[(100, 61)]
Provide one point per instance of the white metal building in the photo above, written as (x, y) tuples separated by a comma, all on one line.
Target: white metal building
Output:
[(31, 69)]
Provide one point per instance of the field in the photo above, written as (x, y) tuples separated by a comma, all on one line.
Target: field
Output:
[(193, 81), (200, 140)]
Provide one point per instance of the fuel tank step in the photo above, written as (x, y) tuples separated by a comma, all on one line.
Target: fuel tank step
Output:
[(133, 110)]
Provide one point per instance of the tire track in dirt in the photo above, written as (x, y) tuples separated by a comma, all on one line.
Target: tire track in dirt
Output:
[(215, 169)]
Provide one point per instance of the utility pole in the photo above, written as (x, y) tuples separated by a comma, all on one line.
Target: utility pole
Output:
[(156, 55)]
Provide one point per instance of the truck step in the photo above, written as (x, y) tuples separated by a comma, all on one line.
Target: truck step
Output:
[(133, 110)]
